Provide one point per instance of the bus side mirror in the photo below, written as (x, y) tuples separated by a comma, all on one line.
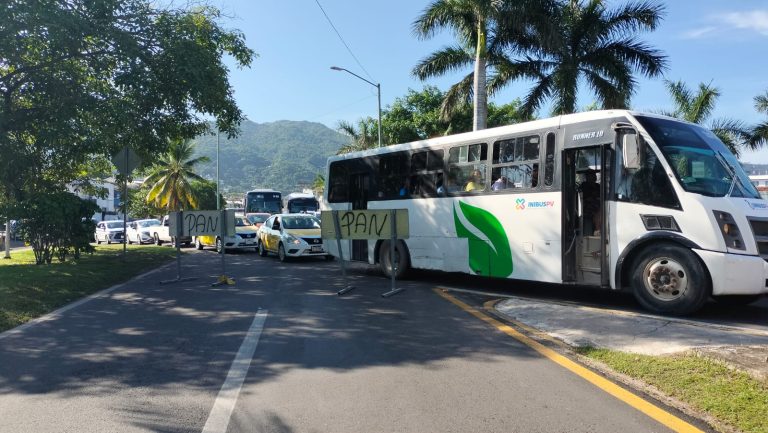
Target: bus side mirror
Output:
[(630, 149)]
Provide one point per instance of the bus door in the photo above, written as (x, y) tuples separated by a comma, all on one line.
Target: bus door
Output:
[(359, 188), (584, 183)]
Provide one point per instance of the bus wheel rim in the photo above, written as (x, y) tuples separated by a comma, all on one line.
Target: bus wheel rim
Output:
[(665, 279)]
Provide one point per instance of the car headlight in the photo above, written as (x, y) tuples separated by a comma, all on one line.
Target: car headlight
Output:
[(292, 239)]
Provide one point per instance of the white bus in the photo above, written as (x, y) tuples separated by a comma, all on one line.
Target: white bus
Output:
[(300, 202), (677, 220), (262, 201)]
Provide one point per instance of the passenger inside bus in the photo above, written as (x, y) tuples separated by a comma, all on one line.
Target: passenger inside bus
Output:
[(475, 182)]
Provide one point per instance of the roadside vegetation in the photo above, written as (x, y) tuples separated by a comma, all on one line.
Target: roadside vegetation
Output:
[(28, 291), (731, 396)]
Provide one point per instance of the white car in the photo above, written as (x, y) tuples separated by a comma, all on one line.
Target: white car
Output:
[(140, 231), (291, 235), (109, 231)]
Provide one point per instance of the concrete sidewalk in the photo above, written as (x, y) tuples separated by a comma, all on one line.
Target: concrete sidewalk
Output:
[(578, 326)]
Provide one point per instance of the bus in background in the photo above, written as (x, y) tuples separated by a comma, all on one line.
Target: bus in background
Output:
[(615, 199), (262, 201), (301, 202)]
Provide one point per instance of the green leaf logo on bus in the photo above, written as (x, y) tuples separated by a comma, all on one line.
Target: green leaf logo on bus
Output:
[(491, 257)]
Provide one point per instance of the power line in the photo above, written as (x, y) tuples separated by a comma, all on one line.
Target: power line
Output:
[(342, 40)]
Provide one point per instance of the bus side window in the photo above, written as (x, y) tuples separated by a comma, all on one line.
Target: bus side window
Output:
[(517, 159), (337, 182), (463, 164)]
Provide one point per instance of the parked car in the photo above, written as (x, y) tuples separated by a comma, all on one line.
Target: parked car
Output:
[(161, 234), (257, 218), (140, 231), (244, 238), (292, 235), (109, 231)]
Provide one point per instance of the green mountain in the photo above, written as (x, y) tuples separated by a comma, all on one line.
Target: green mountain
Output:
[(285, 155)]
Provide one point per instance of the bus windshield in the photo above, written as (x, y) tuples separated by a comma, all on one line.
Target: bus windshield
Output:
[(700, 161), (269, 202), (298, 205)]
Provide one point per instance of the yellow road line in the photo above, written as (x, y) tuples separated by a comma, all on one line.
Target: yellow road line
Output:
[(653, 411)]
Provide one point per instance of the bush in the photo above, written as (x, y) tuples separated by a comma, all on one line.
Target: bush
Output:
[(57, 224)]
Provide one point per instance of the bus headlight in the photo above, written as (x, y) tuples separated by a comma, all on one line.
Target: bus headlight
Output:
[(730, 230)]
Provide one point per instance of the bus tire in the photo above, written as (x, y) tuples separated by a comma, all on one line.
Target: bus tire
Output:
[(736, 300), (402, 259), (670, 279)]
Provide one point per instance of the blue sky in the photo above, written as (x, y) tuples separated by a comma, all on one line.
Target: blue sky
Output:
[(712, 41)]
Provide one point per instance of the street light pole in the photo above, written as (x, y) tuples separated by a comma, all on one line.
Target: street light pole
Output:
[(378, 90), (218, 202)]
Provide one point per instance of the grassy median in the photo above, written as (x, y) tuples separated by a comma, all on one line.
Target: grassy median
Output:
[(28, 291), (731, 396)]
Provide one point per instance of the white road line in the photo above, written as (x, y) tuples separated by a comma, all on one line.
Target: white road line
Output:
[(218, 419)]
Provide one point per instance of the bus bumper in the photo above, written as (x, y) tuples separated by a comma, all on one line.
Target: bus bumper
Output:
[(734, 274)]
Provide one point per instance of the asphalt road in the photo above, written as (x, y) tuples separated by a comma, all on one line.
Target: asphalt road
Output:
[(151, 357)]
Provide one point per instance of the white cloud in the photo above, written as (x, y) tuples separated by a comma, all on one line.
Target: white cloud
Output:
[(756, 20), (699, 33)]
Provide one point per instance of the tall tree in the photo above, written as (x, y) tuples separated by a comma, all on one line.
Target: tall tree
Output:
[(697, 107), (80, 79), (482, 29), (585, 41), (363, 135), (172, 177), (760, 132)]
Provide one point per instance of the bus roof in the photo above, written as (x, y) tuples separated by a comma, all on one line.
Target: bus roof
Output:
[(551, 122)]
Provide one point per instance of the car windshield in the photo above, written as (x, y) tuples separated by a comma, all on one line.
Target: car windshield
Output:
[(242, 222), (148, 223), (297, 222), (257, 218), (115, 225), (701, 162)]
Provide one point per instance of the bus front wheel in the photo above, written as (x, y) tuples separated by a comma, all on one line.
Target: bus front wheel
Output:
[(402, 260), (670, 279)]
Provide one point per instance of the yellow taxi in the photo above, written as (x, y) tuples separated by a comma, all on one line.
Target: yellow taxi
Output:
[(244, 238), (292, 235)]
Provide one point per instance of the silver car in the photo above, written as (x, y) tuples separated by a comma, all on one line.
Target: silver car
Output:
[(109, 231), (140, 231)]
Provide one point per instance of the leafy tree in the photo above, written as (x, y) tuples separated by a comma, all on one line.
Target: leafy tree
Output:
[(81, 79), (417, 116), (483, 28), (205, 191), (698, 108), (583, 40), (760, 132), (362, 136), (171, 178), (318, 185), (139, 207), (57, 224)]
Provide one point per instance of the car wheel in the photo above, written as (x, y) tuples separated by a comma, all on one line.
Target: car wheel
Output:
[(402, 259), (262, 250), (98, 241), (219, 245), (198, 245), (281, 253), (108, 239), (128, 239), (158, 242), (670, 280)]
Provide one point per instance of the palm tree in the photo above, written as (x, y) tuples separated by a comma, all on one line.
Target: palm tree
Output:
[(760, 132), (698, 107), (171, 176), (483, 28), (583, 41), (363, 136)]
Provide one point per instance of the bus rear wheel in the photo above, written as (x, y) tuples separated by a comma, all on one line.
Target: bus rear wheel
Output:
[(670, 279), (402, 259)]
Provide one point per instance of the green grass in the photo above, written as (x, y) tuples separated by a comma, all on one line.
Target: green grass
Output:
[(28, 291), (733, 397)]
